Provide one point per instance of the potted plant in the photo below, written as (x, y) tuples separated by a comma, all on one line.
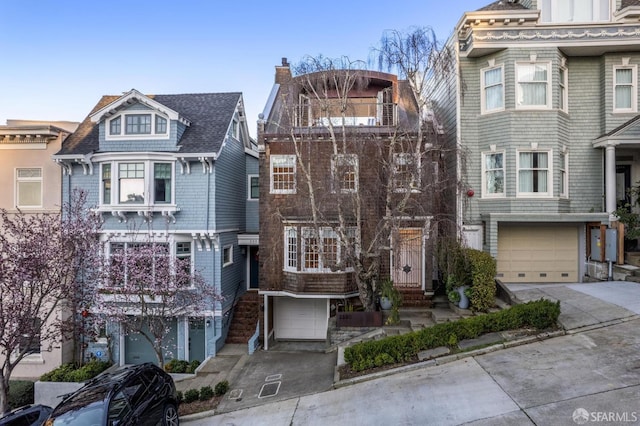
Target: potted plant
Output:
[(463, 292), (454, 296), (390, 299)]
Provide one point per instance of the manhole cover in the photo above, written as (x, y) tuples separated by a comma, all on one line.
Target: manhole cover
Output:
[(235, 394), (269, 389)]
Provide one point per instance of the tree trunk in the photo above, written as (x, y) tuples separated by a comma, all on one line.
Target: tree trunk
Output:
[(4, 393)]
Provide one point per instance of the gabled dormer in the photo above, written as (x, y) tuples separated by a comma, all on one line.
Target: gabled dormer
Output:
[(136, 117)]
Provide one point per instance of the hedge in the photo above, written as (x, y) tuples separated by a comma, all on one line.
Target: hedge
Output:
[(20, 393), (540, 314), (72, 373)]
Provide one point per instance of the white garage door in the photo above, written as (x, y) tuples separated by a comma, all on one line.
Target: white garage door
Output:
[(537, 254), (304, 319)]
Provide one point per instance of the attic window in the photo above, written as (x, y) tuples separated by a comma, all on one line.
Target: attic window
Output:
[(147, 125)]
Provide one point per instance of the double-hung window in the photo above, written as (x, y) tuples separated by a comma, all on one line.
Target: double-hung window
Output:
[(137, 183), (254, 187), (624, 88), (533, 89), (139, 263), (492, 89), (29, 187), (534, 174), (283, 174), (493, 174), (345, 173), (291, 248)]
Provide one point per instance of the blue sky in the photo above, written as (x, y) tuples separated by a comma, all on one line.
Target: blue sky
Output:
[(59, 57)]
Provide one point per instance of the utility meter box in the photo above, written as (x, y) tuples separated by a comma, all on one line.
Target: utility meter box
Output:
[(610, 246)]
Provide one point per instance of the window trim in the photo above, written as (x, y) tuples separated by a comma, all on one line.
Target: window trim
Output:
[(153, 134), (634, 88), (548, 92), (485, 193), (483, 94), (344, 160), (227, 255), (414, 158), (549, 192), (563, 87), (250, 187), (19, 180), (564, 173), (289, 161), (294, 238)]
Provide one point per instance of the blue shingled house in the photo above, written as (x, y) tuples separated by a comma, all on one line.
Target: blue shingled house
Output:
[(179, 168)]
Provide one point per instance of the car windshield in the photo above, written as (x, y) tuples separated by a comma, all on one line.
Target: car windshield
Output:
[(81, 415)]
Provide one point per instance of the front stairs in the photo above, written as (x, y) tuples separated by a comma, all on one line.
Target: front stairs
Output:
[(245, 318)]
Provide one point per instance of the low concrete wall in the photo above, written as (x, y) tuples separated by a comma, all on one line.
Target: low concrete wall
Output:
[(50, 393)]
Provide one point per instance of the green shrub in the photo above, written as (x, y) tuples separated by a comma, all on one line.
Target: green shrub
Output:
[(180, 397), (206, 393), (193, 365), (221, 388), (483, 284), (540, 314), (191, 395), (20, 393), (72, 373), (177, 366)]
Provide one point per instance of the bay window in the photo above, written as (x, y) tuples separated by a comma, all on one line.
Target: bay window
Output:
[(624, 88), (320, 250), (578, 11), (534, 173), (141, 183), (492, 89), (532, 85), (493, 174)]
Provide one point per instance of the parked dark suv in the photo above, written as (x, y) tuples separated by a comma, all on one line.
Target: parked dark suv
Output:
[(135, 395), (29, 415)]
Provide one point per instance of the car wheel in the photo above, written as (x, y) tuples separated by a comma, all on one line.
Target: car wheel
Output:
[(170, 416)]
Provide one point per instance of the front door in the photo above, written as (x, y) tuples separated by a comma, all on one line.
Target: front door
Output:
[(196, 339), (407, 260)]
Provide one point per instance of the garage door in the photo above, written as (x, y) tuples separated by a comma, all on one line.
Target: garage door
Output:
[(537, 254), (304, 319)]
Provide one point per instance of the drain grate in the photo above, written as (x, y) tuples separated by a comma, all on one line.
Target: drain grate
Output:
[(273, 378), (269, 389), (235, 394)]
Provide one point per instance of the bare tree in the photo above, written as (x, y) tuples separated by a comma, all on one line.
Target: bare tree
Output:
[(47, 275), (147, 288), (384, 175)]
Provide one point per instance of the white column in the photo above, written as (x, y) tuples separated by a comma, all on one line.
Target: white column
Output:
[(266, 323), (610, 178)]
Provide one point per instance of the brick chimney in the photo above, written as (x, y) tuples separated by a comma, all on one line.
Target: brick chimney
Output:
[(283, 72)]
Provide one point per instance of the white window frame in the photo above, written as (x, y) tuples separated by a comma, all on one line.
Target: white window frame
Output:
[(227, 255), (286, 161), (634, 88), (149, 184), (235, 129), (402, 159), (563, 87), (290, 248), (550, 11), (485, 192), (344, 160), (483, 94), (123, 126), (564, 173), (35, 179), (250, 197), (549, 169), (548, 91)]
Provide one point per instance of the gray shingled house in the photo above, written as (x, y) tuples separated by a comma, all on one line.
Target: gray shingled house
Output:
[(546, 111)]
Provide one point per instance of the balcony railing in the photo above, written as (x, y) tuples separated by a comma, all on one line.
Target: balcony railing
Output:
[(356, 114)]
